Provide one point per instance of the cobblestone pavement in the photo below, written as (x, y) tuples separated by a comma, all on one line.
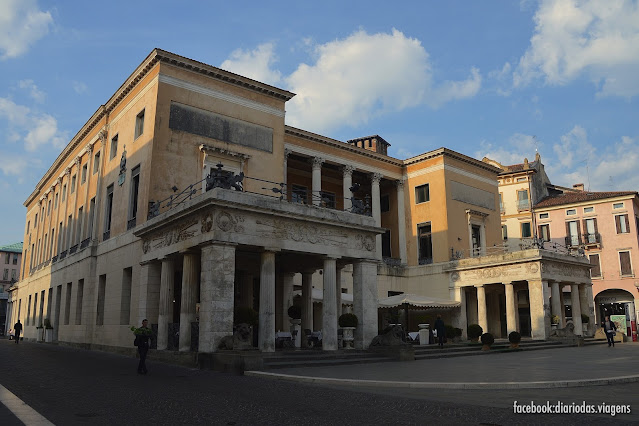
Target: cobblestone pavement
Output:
[(72, 386)]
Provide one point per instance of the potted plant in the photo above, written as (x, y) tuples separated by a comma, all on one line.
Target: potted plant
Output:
[(48, 331), (474, 331), (295, 315), (487, 340), (348, 323), (554, 321), (458, 334), (514, 338)]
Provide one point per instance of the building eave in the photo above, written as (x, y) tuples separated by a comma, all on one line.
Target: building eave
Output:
[(452, 154)]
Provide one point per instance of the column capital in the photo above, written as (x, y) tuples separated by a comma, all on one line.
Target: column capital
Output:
[(376, 178), (316, 162), (348, 169), (102, 137), (58, 181), (77, 161), (89, 148), (400, 184), (67, 171)]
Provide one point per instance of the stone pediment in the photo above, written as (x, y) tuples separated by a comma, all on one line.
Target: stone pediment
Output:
[(249, 219)]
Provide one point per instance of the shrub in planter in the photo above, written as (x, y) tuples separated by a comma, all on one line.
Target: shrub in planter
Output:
[(348, 320), (450, 331), (246, 315), (514, 338), (458, 332), (474, 331), (295, 312), (487, 340), (585, 319), (554, 319)]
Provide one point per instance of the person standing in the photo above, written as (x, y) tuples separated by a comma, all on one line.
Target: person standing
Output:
[(441, 330), (610, 329), (142, 337), (17, 329)]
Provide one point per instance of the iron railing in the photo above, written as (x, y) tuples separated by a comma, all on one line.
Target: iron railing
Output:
[(594, 238)]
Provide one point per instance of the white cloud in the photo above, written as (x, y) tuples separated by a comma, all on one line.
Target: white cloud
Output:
[(35, 93), (79, 87), (12, 165), (354, 79), (255, 64), (22, 23), (35, 129), (513, 151), (596, 38)]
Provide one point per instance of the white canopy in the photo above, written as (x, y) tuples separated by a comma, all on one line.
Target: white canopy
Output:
[(417, 301)]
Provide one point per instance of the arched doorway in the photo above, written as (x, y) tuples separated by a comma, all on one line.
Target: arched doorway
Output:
[(618, 304)]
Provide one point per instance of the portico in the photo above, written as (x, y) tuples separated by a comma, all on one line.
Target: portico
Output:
[(224, 241)]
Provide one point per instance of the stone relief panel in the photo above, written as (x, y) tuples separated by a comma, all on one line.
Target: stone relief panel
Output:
[(565, 270)]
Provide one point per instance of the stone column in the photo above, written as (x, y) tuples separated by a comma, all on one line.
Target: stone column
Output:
[(585, 309), (347, 183), (576, 309), (365, 301), (591, 306), (167, 277), (217, 282), (539, 311), (266, 335), (149, 295), (338, 292), (316, 195), (401, 222), (329, 306), (307, 300), (189, 299), (287, 297), (461, 320), (377, 210), (482, 315), (556, 303), (511, 321)]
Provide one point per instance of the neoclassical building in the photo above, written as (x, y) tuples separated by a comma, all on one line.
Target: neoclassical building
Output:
[(186, 196)]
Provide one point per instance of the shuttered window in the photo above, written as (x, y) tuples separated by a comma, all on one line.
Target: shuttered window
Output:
[(596, 266), (622, 224), (624, 261)]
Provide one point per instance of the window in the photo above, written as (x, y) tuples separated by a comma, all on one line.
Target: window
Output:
[(28, 226), (501, 202), (35, 222), (386, 243), (595, 271), (544, 232), (589, 209), (525, 230), (591, 234), (91, 214), (55, 203), (617, 206), (69, 230), (622, 224), (425, 244), (5, 276), (504, 232), (299, 194), (7, 258), (49, 208), (114, 147), (571, 212), (67, 306), (521, 179), (624, 263), (327, 199), (109, 210), (573, 229), (522, 200), (133, 198), (543, 215), (125, 298), (99, 317), (78, 304), (15, 259), (64, 192), (84, 173), (139, 124), (96, 163), (13, 274), (422, 194), (73, 184), (80, 217), (384, 203)]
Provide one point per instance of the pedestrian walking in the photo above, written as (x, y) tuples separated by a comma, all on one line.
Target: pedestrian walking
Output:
[(17, 329), (610, 329), (142, 337), (441, 330)]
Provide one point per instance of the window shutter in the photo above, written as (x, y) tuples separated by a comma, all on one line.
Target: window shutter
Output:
[(624, 259), (578, 232), (585, 230), (539, 233), (596, 268), (594, 220), (627, 223), (618, 224), (567, 229)]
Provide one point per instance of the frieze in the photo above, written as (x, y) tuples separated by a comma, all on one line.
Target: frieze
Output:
[(553, 268), (180, 232), (228, 222), (286, 230)]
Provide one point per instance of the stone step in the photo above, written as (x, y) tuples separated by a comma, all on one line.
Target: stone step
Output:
[(324, 362)]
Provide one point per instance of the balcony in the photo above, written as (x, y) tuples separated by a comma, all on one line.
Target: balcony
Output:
[(425, 260), (73, 249), (523, 205), (85, 243), (573, 241), (130, 224), (592, 239), (63, 254), (54, 259)]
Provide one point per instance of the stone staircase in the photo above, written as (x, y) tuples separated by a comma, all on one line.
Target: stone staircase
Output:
[(319, 358)]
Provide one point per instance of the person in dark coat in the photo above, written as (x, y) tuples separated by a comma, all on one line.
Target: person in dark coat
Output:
[(441, 330), (142, 337), (609, 329), (17, 329)]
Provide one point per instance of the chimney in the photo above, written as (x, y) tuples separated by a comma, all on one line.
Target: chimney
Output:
[(578, 186)]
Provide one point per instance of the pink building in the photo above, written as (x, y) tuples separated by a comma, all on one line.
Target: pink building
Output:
[(605, 225), (10, 263)]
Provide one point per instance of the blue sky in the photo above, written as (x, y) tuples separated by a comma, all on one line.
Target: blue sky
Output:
[(496, 78)]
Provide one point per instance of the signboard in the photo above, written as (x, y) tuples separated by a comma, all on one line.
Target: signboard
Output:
[(620, 322)]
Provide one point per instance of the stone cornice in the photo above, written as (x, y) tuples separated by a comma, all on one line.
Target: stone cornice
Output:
[(452, 154)]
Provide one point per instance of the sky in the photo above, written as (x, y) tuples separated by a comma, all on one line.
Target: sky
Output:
[(496, 78)]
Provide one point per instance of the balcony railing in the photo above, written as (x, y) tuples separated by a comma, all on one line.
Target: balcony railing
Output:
[(523, 205), (54, 259), (106, 235), (85, 243), (572, 240), (592, 238), (425, 260), (63, 254), (130, 224), (73, 249)]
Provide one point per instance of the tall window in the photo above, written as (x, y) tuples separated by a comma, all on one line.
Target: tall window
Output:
[(91, 214), (133, 198), (125, 298), (139, 124), (384, 203), (64, 192), (78, 231), (595, 271), (96, 163), (73, 184), (475, 232), (522, 200), (591, 230), (299, 194), (69, 230), (501, 203), (572, 233), (55, 203), (625, 264), (504, 232), (114, 147), (622, 224), (49, 208), (544, 232), (422, 193), (109, 210), (386, 243), (327, 199), (67, 306), (425, 243), (99, 317), (525, 230), (78, 304)]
